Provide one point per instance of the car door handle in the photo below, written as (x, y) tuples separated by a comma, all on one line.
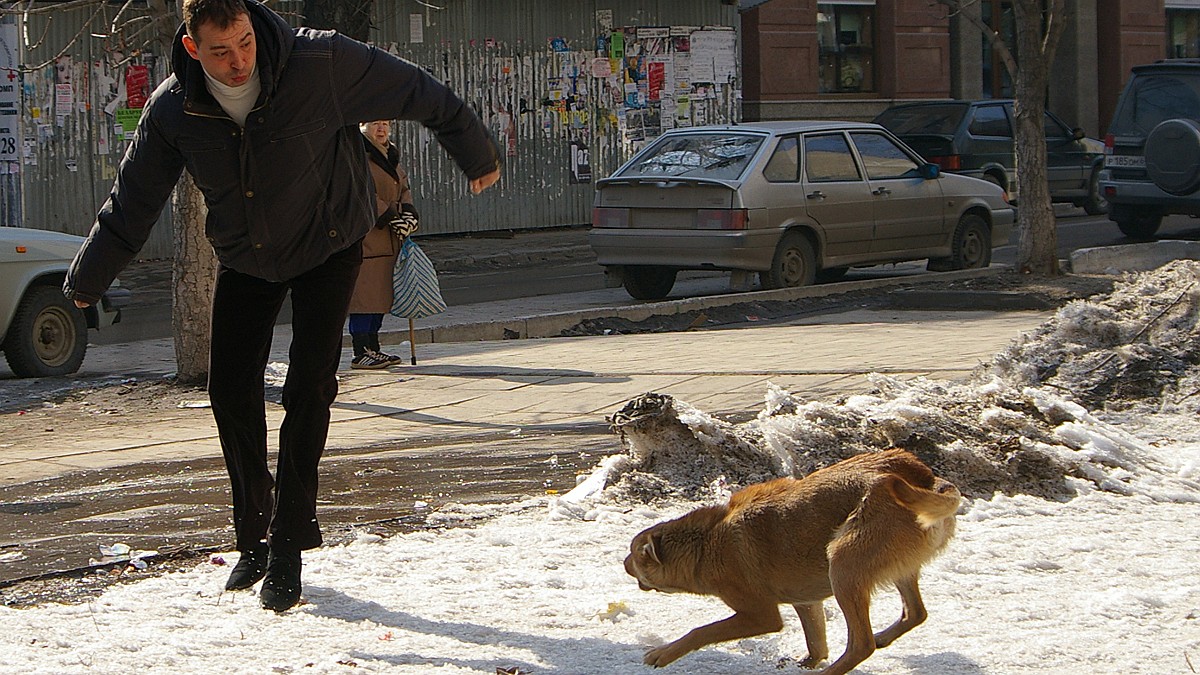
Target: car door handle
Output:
[(881, 192), (816, 194)]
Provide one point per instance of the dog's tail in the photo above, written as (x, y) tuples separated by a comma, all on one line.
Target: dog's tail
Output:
[(930, 505)]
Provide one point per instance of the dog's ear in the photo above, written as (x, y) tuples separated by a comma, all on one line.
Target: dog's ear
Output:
[(651, 548)]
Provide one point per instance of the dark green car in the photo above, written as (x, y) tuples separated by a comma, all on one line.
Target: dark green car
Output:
[(975, 138)]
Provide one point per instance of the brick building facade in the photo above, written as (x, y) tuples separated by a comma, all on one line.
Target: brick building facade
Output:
[(853, 58)]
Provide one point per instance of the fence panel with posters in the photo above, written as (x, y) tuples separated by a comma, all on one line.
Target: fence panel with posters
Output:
[(569, 90), (80, 97)]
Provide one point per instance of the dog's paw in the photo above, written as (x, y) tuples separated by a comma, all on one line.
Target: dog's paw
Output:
[(811, 662), (659, 656)]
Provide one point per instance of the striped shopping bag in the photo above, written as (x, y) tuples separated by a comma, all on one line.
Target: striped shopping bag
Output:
[(415, 291)]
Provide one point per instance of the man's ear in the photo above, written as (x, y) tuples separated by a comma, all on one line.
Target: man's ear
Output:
[(190, 45)]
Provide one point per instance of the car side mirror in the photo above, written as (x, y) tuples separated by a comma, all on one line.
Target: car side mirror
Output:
[(930, 171), (1078, 134)]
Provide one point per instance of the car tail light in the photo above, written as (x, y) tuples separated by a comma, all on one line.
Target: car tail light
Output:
[(722, 219), (1109, 143), (1110, 191), (948, 162), (610, 217)]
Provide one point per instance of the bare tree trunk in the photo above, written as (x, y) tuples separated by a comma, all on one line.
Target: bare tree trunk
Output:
[(1038, 29), (194, 278), (1037, 236), (194, 272), (1039, 24)]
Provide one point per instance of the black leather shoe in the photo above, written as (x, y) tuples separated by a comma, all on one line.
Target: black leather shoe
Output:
[(281, 587), (250, 567)]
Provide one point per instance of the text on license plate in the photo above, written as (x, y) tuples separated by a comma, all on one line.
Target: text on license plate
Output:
[(1130, 161)]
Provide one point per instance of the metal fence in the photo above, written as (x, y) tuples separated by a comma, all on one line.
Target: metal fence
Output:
[(569, 90)]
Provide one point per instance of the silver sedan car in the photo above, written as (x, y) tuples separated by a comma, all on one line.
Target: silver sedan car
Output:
[(794, 202)]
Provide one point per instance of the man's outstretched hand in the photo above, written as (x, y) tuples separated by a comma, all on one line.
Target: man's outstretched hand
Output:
[(484, 182)]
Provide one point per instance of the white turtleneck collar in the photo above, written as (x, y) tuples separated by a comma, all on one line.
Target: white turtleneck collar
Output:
[(236, 101)]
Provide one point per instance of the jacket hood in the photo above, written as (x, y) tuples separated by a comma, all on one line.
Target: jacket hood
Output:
[(274, 39)]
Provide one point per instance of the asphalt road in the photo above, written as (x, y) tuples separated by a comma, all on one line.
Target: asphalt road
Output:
[(1075, 230)]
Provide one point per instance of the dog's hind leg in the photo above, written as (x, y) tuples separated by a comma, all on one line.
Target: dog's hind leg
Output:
[(854, 597), (912, 616), (812, 619)]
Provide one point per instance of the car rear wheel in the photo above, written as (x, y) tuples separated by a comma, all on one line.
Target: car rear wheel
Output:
[(996, 180), (794, 264), (972, 244), (47, 335), (1136, 225), (830, 274), (649, 282), (1095, 204)]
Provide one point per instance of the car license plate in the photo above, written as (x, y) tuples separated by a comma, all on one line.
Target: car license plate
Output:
[(1126, 161)]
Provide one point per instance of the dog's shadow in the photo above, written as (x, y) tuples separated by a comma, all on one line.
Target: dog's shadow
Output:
[(567, 655), (943, 663)]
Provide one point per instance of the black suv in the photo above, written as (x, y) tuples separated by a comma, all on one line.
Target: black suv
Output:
[(975, 138), (1152, 150)]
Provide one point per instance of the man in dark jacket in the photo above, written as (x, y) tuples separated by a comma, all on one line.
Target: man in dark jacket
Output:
[(265, 119)]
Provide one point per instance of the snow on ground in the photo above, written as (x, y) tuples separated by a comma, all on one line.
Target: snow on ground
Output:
[(1076, 550)]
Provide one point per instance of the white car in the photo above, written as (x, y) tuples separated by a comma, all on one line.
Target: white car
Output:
[(42, 333)]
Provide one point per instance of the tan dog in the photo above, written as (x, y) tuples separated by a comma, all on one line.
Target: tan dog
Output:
[(844, 530)]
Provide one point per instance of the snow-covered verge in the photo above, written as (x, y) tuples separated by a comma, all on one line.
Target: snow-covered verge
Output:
[(1078, 449)]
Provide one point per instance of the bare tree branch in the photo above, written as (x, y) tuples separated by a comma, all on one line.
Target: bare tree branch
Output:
[(30, 10), (957, 7), (86, 27)]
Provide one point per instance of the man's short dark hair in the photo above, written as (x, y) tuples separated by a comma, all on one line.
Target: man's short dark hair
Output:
[(220, 13)]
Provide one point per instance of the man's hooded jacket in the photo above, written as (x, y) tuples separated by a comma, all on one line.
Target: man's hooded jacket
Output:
[(292, 187)]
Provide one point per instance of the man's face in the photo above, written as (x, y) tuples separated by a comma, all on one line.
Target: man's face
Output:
[(226, 54)]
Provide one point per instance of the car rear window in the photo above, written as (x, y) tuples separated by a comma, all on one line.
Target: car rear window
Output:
[(990, 120), (719, 156), (1151, 98), (923, 119)]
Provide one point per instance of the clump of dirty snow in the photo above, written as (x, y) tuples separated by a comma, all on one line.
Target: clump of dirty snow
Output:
[(680, 451), (1136, 345), (1048, 417)]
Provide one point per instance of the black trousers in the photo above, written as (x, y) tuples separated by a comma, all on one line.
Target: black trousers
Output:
[(280, 508)]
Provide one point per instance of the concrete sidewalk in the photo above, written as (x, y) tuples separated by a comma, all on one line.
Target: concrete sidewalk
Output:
[(468, 389)]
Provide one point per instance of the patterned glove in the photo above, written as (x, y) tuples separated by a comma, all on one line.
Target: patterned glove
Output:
[(405, 223)]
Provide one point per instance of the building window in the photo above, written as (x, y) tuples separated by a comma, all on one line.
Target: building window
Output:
[(1183, 33), (846, 38)]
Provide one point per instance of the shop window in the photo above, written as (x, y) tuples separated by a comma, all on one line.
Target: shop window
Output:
[(1183, 33), (846, 39)]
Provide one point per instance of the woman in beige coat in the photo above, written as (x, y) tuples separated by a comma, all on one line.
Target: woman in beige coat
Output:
[(396, 219)]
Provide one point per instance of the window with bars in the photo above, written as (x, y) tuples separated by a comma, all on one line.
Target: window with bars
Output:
[(846, 43)]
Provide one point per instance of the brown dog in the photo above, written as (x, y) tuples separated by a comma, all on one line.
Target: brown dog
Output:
[(844, 530)]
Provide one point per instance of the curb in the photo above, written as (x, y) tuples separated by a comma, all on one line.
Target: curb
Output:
[(474, 263), (1138, 257), (552, 325)]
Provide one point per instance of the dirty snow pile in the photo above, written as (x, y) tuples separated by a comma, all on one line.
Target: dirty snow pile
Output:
[(1076, 548), (1055, 415)]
